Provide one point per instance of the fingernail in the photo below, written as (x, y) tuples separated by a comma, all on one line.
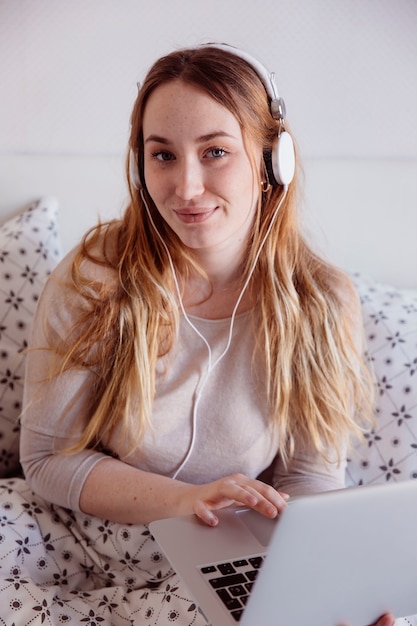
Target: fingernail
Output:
[(212, 520), (271, 511)]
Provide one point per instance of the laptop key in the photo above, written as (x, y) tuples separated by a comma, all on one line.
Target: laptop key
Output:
[(237, 615), (226, 568), (227, 581), (228, 601), (256, 562), (237, 590), (252, 574)]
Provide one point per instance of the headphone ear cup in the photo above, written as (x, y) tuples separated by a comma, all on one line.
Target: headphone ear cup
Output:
[(134, 171), (283, 159)]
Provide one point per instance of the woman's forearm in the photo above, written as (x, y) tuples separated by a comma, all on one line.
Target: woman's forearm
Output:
[(119, 492)]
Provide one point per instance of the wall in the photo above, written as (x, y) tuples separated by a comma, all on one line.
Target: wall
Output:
[(347, 70)]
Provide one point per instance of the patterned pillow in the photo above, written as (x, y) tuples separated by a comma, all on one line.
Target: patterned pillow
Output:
[(29, 250), (390, 320)]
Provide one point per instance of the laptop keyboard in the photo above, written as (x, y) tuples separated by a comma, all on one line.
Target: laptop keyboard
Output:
[(233, 581)]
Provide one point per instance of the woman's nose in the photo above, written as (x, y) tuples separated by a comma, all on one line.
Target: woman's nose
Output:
[(190, 182)]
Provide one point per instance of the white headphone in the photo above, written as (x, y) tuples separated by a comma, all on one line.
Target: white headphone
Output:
[(280, 166), (280, 162)]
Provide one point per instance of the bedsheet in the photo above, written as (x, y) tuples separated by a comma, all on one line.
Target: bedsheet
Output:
[(57, 567)]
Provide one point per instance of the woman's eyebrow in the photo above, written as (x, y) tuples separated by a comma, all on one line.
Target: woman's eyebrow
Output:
[(214, 135), (157, 139), (201, 139)]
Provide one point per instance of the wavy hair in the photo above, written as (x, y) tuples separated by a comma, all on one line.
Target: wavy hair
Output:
[(317, 382)]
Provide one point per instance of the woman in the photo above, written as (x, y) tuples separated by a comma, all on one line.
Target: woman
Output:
[(182, 351)]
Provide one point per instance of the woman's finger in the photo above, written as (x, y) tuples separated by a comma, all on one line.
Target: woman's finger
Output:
[(203, 512), (385, 620), (260, 496)]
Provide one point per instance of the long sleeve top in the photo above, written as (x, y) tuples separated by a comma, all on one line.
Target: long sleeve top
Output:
[(222, 409)]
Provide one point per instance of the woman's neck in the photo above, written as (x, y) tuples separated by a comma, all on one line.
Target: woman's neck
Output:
[(214, 296), (216, 299)]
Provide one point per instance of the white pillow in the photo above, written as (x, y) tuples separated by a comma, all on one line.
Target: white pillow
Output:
[(29, 250), (390, 320)]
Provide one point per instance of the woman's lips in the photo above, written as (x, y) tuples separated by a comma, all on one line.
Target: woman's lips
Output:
[(194, 216)]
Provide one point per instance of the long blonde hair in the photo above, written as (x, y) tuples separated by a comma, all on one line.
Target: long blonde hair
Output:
[(316, 380)]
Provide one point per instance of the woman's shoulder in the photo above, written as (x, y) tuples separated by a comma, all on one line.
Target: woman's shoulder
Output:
[(345, 292), (94, 257), (348, 312), (81, 281)]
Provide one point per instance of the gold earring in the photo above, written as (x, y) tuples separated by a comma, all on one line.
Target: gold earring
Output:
[(265, 186)]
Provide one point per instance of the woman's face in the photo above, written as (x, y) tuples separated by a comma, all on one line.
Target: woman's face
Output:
[(198, 171)]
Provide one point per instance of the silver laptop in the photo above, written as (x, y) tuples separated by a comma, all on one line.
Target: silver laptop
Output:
[(342, 557)]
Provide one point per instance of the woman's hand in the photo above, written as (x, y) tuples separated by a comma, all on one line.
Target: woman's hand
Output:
[(240, 490), (386, 620)]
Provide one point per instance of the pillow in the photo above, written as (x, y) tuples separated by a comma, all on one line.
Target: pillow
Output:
[(29, 250), (390, 320)]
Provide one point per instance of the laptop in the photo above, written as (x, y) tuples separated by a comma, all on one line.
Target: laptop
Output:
[(341, 557)]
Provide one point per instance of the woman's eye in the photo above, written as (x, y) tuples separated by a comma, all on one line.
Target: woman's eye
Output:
[(217, 153), (163, 156)]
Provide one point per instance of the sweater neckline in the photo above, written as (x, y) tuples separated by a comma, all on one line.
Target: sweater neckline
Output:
[(219, 321)]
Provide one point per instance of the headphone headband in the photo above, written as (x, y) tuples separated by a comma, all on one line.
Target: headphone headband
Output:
[(277, 105), (280, 163)]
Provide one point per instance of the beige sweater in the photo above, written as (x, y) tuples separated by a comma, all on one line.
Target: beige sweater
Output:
[(231, 422)]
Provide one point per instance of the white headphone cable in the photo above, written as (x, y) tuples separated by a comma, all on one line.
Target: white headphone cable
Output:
[(202, 382)]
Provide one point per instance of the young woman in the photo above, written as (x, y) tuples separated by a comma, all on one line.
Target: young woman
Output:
[(182, 351)]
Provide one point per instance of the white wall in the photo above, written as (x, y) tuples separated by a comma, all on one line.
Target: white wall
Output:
[(347, 70)]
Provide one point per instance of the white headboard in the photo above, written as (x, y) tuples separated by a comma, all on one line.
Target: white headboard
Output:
[(347, 71)]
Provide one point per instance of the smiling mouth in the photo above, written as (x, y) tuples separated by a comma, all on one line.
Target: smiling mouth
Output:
[(188, 217)]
